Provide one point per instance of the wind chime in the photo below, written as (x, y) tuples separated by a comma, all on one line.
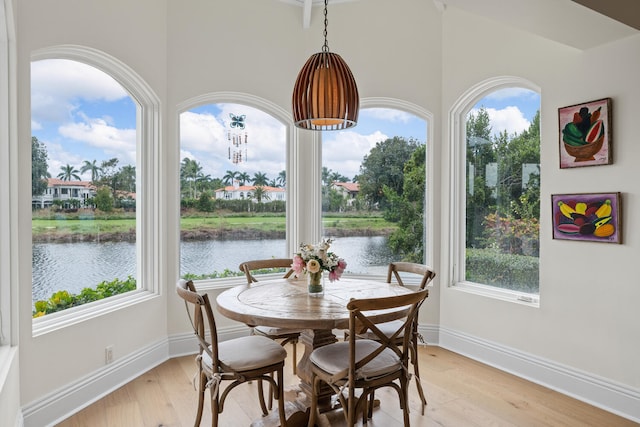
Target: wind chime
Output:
[(237, 136)]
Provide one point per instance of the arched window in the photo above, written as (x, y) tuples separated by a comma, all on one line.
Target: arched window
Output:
[(375, 178), (232, 154), (496, 176), (94, 134)]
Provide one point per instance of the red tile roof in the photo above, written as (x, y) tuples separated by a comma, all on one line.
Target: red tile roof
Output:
[(349, 186), (56, 182)]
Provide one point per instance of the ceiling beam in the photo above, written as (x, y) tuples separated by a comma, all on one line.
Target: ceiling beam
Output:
[(306, 13)]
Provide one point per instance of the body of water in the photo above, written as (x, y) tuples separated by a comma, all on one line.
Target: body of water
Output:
[(74, 266)]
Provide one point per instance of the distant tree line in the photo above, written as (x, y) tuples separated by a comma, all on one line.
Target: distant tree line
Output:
[(115, 185)]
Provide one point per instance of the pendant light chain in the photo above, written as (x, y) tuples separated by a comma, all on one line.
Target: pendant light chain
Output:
[(325, 48), (325, 95)]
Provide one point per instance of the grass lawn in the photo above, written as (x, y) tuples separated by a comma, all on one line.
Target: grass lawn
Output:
[(74, 225)]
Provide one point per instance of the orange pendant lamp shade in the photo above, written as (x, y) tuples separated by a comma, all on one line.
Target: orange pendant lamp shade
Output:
[(325, 96)]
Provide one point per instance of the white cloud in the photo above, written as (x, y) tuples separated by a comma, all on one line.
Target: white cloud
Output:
[(59, 157), (206, 138), (386, 114), (114, 142), (343, 152), (508, 119), (58, 86)]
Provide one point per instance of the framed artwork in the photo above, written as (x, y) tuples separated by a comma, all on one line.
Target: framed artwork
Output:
[(593, 217), (585, 134)]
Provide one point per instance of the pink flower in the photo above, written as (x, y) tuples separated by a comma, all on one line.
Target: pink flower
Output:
[(333, 276), (298, 265)]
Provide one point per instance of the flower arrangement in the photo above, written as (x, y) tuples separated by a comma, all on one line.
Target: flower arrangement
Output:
[(314, 259)]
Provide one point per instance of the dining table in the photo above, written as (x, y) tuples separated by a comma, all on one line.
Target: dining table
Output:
[(286, 303)]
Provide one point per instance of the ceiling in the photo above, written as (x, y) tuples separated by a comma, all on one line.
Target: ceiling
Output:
[(621, 10), (611, 19)]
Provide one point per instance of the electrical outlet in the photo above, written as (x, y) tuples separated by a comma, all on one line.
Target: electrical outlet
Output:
[(108, 354)]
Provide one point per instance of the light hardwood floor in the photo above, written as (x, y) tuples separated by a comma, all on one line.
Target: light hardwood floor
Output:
[(460, 392)]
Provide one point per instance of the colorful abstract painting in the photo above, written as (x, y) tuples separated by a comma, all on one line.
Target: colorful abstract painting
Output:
[(585, 134), (593, 217)]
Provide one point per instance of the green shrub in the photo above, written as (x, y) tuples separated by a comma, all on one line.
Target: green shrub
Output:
[(214, 275), (62, 300), (230, 273), (507, 271)]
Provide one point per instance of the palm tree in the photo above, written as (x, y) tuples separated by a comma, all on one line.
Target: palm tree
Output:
[(243, 177), (282, 178), (69, 172), (325, 175), (189, 172), (203, 181), (93, 168), (260, 178), (260, 194), (337, 177), (229, 177)]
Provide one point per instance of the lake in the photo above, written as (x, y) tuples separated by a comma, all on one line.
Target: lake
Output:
[(74, 266)]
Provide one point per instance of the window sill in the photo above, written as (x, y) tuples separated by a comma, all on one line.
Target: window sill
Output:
[(523, 298), (72, 316)]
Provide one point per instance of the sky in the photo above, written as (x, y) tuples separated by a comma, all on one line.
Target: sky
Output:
[(80, 113)]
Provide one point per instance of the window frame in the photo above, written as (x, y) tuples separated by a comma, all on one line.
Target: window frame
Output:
[(457, 180), (292, 226), (8, 179), (148, 212), (429, 214)]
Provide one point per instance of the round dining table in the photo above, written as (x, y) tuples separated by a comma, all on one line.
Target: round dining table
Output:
[(286, 303)]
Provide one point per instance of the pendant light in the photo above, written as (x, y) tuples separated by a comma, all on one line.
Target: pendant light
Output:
[(325, 96)]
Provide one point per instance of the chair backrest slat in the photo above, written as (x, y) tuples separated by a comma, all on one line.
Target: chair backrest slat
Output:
[(249, 266), (395, 268), (202, 319), (358, 318)]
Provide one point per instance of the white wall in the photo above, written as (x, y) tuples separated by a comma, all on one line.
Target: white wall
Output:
[(135, 34), (406, 50), (587, 319)]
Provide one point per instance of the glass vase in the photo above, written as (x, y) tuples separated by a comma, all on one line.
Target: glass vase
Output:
[(316, 284)]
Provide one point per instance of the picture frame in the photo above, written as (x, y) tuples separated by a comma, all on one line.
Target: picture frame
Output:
[(592, 217), (585, 132)]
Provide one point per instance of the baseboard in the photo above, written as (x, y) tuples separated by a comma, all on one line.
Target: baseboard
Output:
[(613, 397), (430, 334), (60, 404)]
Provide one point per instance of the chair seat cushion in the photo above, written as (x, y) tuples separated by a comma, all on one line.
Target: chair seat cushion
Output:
[(334, 358), (387, 328), (276, 332), (246, 353)]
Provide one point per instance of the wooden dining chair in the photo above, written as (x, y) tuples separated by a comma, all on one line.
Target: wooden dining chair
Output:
[(237, 360), (367, 364), (398, 270), (283, 335)]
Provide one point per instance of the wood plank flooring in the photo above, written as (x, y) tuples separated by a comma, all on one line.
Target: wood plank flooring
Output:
[(460, 392)]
